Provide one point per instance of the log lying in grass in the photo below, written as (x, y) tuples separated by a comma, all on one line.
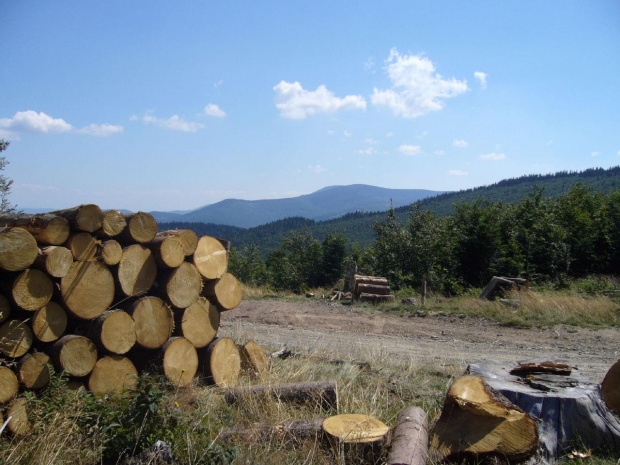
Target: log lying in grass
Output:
[(32, 289), (254, 359), (111, 252), (141, 228), (88, 289), (49, 322), (113, 332), (198, 323), (54, 260), (180, 361), (409, 444), (19, 424), (18, 249), (33, 370), (15, 338), (210, 257), (8, 384), (351, 428), (137, 270), (87, 218), (220, 362), (319, 393), (83, 246), (47, 229), (112, 373), (292, 430), (188, 238), (154, 322), (224, 292), (75, 355)]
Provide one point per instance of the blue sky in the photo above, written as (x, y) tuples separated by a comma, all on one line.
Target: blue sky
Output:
[(160, 105)]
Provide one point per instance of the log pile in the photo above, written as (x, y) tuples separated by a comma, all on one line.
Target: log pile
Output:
[(372, 289), (104, 295)]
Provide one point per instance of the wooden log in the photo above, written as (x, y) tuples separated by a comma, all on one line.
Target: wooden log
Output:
[(87, 218), (46, 228), (359, 279), (478, 421), (210, 257), (137, 270), (351, 428), (33, 370), (113, 331), (32, 289), (220, 362), (291, 430), (224, 292), (181, 286), (111, 252), (76, 355), (54, 260), (323, 394), (49, 322), (254, 359), (377, 289), (8, 384), (83, 246), (409, 444), (141, 228), (376, 299), (497, 286), (198, 323), (114, 223), (610, 388), (180, 361), (113, 373), (18, 249), (19, 423), (5, 308), (188, 239), (168, 250), (88, 289), (15, 338), (154, 322)]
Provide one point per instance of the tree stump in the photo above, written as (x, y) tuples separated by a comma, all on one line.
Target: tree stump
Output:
[(49, 322), (87, 289), (610, 388), (112, 373), (18, 249)]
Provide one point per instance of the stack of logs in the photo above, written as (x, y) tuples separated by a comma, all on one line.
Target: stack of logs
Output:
[(102, 295), (372, 289)]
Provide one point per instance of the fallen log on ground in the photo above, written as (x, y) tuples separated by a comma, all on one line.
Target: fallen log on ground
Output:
[(319, 393), (409, 438), (292, 430)]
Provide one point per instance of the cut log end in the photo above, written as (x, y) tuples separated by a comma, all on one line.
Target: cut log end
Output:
[(199, 323), (188, 239), (87, 218), (222, 362), (32, 289), (33, 370), (154, 322), (210, 257), (76, 355), (137, 270), (87, 289), (15, 338), (5, 309), (113, 373), (114, 331), (8, 384), (180, 361), (19, 424), (49, 323), (18, 249), (224, 292), (83, 246), (355, 428), (54, 260), (111, 252), (254, 359), (113, 223), (183, 285), (141, 228)]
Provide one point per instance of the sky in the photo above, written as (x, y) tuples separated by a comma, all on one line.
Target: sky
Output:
[(161, 105)]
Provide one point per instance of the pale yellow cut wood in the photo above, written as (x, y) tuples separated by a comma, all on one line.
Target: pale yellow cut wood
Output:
[(153, 321), (15, 338), (141, 228), (254, 359), (221, 362), (18, 249), (113, 373), (199, 322), (610, 388), (182, 285), (19, 424), (188, 239), (46, 228), (34, 370), (354, 428), (224, 292), (137, 270), (54, 260), (180, 361), (83, 246), (49, 323), (5, 309), (8, 384), (210, 257), (87, 218), (168, 251), (114, 331), (75, 355), (113, 223), (111, 252), (87, 289), (32, 289)]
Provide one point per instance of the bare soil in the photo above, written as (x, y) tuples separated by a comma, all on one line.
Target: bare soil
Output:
[(342, 331)]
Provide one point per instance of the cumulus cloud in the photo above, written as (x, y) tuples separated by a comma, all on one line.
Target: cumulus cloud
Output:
[(175, 122), (482, 78), (460, 143), (296, 103), (410, 149), (41, 123), (101, 130), (213, 110), (493, 156), (416, 87), (368, 151), (457, 173)]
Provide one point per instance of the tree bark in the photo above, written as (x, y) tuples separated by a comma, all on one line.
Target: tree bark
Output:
[(87, 218), (83, 246), (15, 338), (376, 299), (8, 384), (137, 270), (254, 359), (410, 438), (168, 250), (377, 289), (210, 257), (113, 331), (88, 289), (188, 239), (180, 361), (610, 388), (112, 373), (54, 260), (32, 289), (351, 428), (76, 355), (224, 292), (181, 286), (49, 322), (292, 430), (154, 322), (18, 249), (19, 424), (359, 279), (319, 393), (33, 370), (141, 228), (198, 323), (46, 228), (220, 362)]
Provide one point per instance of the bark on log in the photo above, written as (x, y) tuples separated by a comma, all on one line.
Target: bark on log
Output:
[(497, 286), (47, 229), (319, 393), (18, 249), (88, 289), (154, 322), (5, 309), (113, 331), (181, 286), (15, 338), (198, 323), (73, 354), (224, 292), (168, 250), (210, 257), (180, 361), (113, 373), (49, 322), (33, 370), (292, 430), (188, 239), (478, 421), (87, 218), (111, 252), (32, 289), (610, 388), (141, 228), (351, 428), (83, 246), (377, 289), (220, 361), (54, 260), (410, 438), (8, 384), (359, 279), (19, 424), (254, 359), (376, 299), (113, 224), (137, 270)]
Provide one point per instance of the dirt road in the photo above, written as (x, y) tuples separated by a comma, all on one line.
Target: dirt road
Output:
[(346, 331)]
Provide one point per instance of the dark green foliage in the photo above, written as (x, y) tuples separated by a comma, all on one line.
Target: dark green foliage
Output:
[(247, 265)]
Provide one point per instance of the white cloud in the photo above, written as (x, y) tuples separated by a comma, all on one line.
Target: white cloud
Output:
[(218, 83), (493, 156), (175, 123), (370, 63), (296, 103), (347, 134), (416, 87), (595, 154), (370, 140), (368, 151), (101, 130), (457, 173), (482, 78), (213, 110), (316, 169), (410, 149), (439, 152), (460, 143), (389, 134), (31, 121)]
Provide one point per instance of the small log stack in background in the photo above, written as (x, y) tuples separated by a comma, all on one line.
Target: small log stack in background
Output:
[(102, 295)]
